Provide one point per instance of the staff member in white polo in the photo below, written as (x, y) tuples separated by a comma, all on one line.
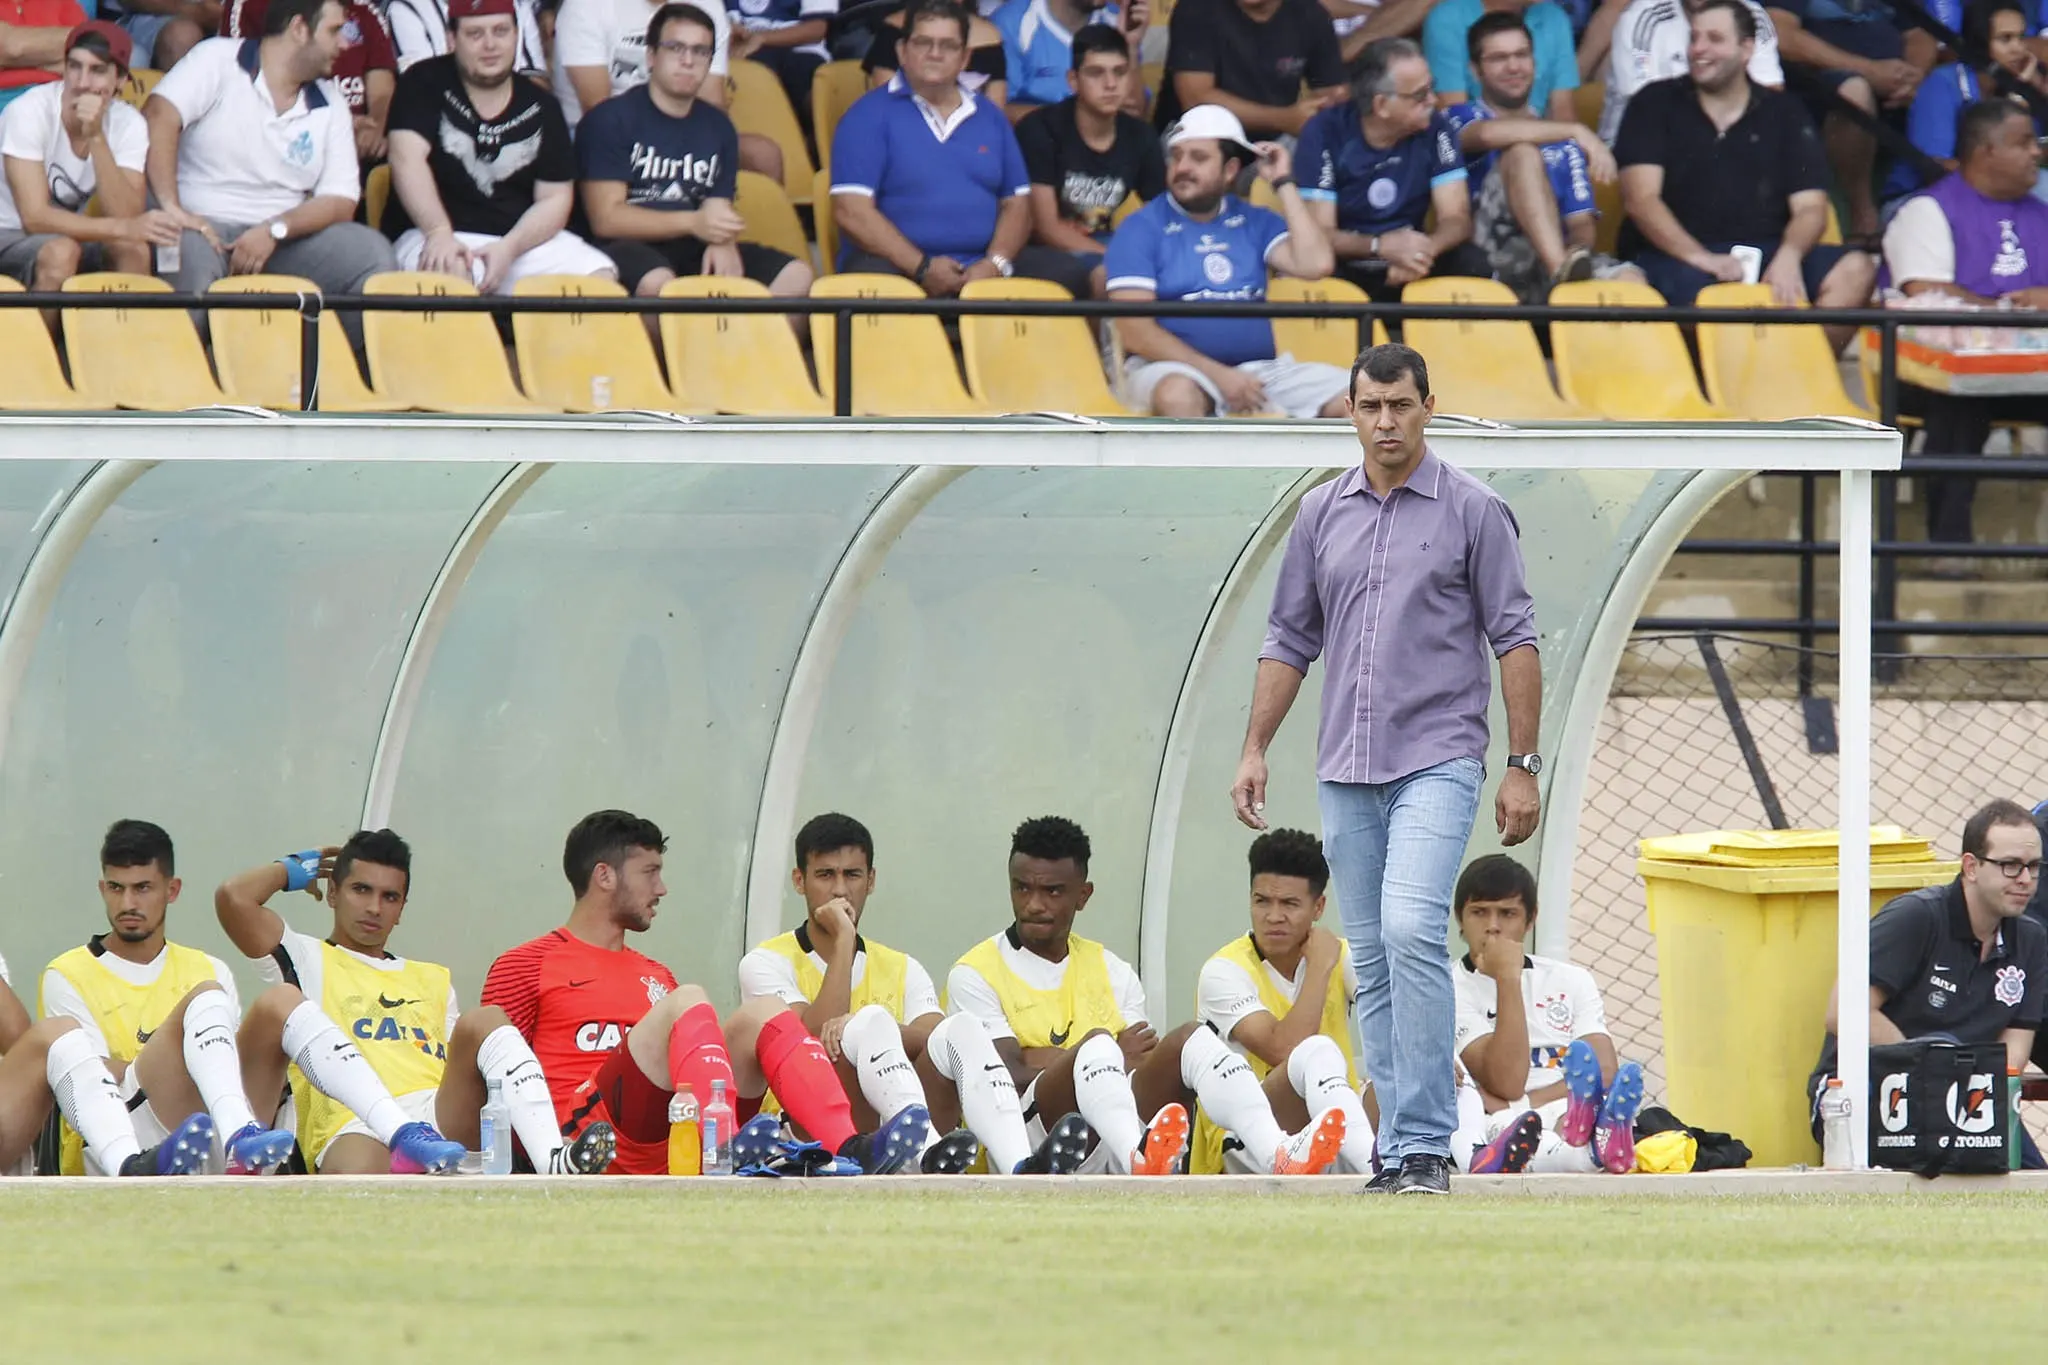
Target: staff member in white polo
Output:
[(252, 148)]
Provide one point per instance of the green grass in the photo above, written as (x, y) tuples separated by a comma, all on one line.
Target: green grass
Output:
[(444, 1273)]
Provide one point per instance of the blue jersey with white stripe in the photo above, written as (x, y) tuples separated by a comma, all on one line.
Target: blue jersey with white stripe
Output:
[(1375, 189), (1161, 249), (1564, 161)]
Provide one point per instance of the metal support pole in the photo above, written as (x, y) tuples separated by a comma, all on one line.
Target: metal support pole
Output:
[(309, 352), (842, 363), (1852, 908)]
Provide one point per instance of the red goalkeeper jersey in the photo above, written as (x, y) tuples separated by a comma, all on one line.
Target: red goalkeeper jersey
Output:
[(574, 1001)]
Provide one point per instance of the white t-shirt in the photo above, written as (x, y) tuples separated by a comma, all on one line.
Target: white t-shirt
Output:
[(1225, 993), (769, 973), (1649, 44), (1919, 244), (239, 160), (32, 129), (968, 992), (613, 34), (61, 999), (304, 952), (419, 30), (1561, 1002)]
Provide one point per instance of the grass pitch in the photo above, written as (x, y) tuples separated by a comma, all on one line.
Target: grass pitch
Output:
[(459, 1273)]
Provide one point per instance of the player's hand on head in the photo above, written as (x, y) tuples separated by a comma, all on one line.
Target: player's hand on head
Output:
[(1324, 946)]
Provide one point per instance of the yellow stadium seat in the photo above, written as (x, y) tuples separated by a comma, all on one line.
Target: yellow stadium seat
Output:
[(1769, 373), (1153, 74), (1607, 203), (135, 90), (438, 362), (1330, 341), (902, 364), (761, 105), (1034, 364), (32, 379), (744, 363), (1483, 369), (821, 218), (257, 351), (771, 218), (1588, 100), (376, 194), (1831, 235), (135, 358), (834, 88), (1264, 195), (1627, 371), (586, 362), (1131, 204)]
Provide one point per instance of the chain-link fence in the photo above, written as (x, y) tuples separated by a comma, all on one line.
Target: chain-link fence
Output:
[(1948, 733)]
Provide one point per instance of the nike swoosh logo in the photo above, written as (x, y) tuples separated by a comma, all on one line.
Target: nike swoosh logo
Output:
[(394, 1004), (993, 1066), (1059, 1039), (876, 1058), (342, 1047), (144, 1035), (1489, 1014), (585, 982)]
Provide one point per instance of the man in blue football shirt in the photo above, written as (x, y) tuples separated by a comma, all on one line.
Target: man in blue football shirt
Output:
[(1198, 241)]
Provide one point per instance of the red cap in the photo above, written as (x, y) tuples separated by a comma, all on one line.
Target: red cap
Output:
[(119, 47), (478, 9)]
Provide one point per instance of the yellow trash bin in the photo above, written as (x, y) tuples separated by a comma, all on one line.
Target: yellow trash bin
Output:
[(1745, 928)]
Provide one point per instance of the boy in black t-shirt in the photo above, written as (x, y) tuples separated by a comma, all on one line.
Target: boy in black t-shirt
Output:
[(1085, 156), (660, 168), (482, 168)]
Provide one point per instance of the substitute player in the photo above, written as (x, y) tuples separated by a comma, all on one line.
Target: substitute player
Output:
[(876, 1014), (54, 1062), (370, 1100), (619, 1036), (1545, 1092), (160, 1015), (1281, 997), (1068, 1018)]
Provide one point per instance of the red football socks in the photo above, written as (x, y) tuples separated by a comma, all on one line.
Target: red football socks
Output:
[(696, 1055), (802, 1078)]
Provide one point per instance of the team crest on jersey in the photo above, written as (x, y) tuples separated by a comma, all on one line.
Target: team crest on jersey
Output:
[(655, 990), (351, 33), (2011, 985), (1557, 1012), (1381, 193), (1217, 267)]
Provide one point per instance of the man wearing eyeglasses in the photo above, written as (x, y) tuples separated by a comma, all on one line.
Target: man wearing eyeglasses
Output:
[(1962, 962)]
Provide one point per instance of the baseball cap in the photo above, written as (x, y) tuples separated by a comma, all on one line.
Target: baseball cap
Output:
[(1211, 121), (120, 49), (478, 9)]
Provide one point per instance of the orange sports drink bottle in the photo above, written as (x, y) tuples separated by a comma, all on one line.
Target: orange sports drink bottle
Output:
[(685, 1137)]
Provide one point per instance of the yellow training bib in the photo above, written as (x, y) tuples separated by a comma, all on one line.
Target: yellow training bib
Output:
[(1084, 1001), (397, 1018)]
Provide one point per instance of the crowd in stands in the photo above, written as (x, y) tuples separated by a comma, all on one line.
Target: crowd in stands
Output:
[(1375, 143)]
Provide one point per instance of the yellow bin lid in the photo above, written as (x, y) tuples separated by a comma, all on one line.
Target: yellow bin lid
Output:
[(1782, 848)]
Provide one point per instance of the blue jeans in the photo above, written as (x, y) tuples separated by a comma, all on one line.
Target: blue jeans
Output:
[(1394, 853)]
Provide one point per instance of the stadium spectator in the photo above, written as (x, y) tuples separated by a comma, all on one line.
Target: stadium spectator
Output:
[(1038, 48), (1981, 236), (252, 157), (1998, 29), (1252, 57), (987, 69), (659, 169), (1407, 622), (1963, 962), (876, 1013), (1651, 40), (927, 179), (1378, 165), (63, 143), (1198, 241), (33, 44), (419, 30), (1710, 162), (163, 31), (787, 37), (1085, 156), (1281, 996), (1864, 53), (1531, 178), (1445, 42), (1544, 1091), (482, 169), (366, 70)]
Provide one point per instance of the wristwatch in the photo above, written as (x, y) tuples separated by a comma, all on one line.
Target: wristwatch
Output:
[(277, 230), (1004, 266), (1531, 764)]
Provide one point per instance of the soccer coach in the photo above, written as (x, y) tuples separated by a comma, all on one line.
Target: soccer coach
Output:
[(1402, 568)]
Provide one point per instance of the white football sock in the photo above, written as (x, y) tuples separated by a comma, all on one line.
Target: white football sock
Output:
[(1231, 1096), (963, 1053), (1317, 1072), (1102, 1092), (337, 1070), (213, 1063), (1471, 1133), (503, 1056), (90, 1100), (888, 1082)]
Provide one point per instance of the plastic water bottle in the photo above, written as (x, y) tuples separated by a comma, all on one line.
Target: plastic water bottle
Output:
[(718, 1125), (494, 1132), (685, 1138), (1837, 1146)]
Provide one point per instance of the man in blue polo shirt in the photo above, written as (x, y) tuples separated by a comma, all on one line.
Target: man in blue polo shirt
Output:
[(1377, 164), (1198, 241), (928, 181)]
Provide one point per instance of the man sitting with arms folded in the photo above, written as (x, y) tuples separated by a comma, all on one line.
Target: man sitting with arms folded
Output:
[(1198, 241)]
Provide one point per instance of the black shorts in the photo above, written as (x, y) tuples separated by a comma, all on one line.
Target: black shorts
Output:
[(685, 256)]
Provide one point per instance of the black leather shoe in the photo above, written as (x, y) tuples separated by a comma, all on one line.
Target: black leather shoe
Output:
[(1385, 1181), (1424, 1174)]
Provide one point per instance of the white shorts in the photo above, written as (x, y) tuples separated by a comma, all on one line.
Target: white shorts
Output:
[(418, 1107), (562, 254), (1298, 388)]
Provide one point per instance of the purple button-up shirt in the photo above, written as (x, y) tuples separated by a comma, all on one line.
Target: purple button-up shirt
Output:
[(1404, 593)]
